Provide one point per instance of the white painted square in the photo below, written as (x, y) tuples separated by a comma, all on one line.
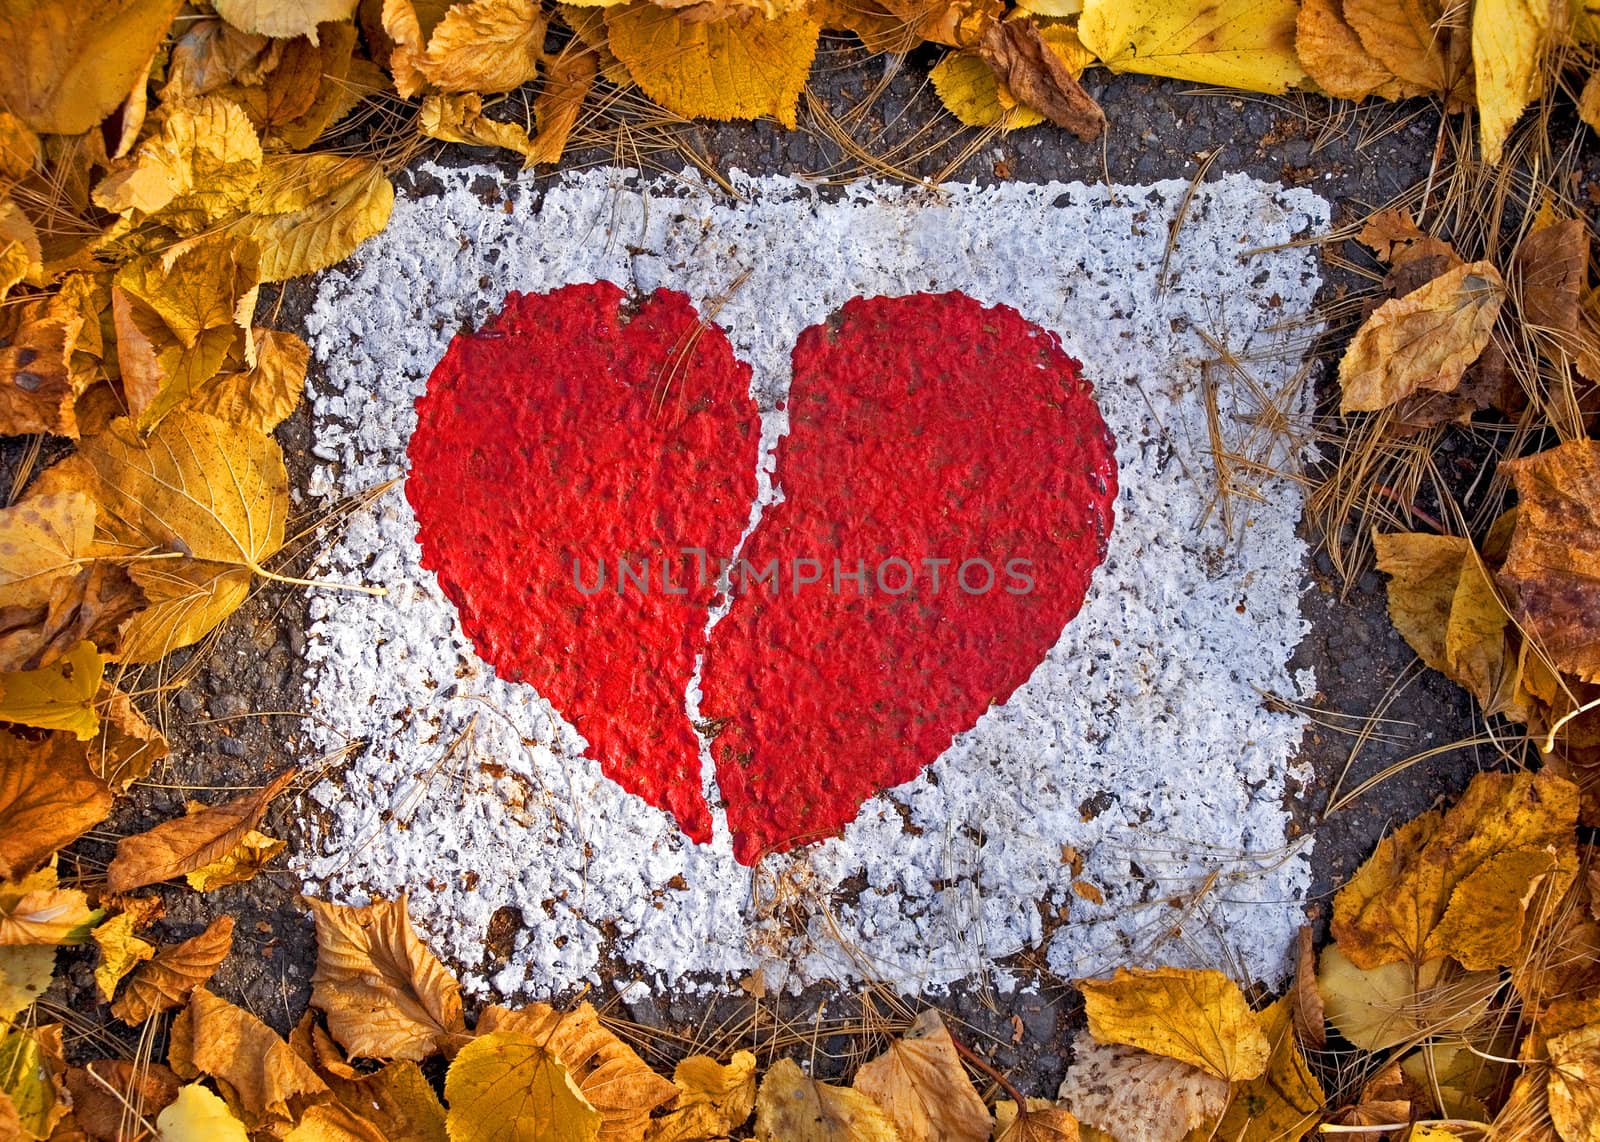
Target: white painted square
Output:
[(1149, 709)]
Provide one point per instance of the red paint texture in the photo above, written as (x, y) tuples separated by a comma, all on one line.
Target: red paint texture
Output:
[(921, 427), (564, 429)]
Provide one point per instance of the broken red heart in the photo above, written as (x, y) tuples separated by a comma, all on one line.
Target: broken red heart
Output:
[(947, 493)]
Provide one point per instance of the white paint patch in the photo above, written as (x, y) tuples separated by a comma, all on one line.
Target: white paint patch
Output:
[(1142, 741)]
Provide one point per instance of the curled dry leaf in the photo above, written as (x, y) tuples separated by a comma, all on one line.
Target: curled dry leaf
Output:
[(507, 1086), (714, 1099), (460, 119), (174, 848), (1018, 55), (197, 1115), (128, 745), (171, 976), (1424, 340), (1448, 884), (1310, 1018), (105, 1092), (1198, 1017), (120, 952), (49, 797), (238, 864), (1247, 44), (60, 696), (567, 83), (1139, 1097), (922, 1085), (211, 54), (65, 67), (1334, 57), (739, 68), (268, 1085), (311, 211), (900, 25), (283, 18), (263, 395), (793, 1108), (612, 1078), (385, 994), (1553, 566), (397, 1099)]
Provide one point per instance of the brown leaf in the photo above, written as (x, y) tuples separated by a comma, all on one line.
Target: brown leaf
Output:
[(556, 107), (397, 1098), (48, 798), (37, 389), (922, 1085), (1551, 268), (177, 847), (1038, 1121), (900, 25), (1310, 1019), (109, 1096), (385, 994), (1424, 340), (167, 980), (128, 745), (211, 53), (1553, 567), (1139, 1097), (1332, 54), (266, 1084), (614, 1080), (1406, 37), (1039, 77), (97, 604)]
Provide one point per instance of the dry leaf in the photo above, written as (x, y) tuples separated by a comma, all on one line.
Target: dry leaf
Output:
[(65, 67), (1137, 1096), (32, 1075), (260, 397), (1039, 1121), (120, 952), (21, 258), (1553, 567), (385, 994), (1456, 1077), (739, 68), (60, 696), (555, 108), (1333, 56), (922, 1085), (1574, 1084), (1198, 1017), (178, 319), (485, 46), (238, 864), (305, 92), (211, 54), (174, 848), (38, 391), (1310, 1020), (1424, 340), (200, 168), (508, 1087), (21, 153), (611, 1077), (1509, 38), (104, 1090), (215, 493), (1564, 952), (460, 119), (197, 1115), (267, 1084), (1405, 36), (397, 1099), (713, 1100), (1551, 267), (95, 604), (36, 910), (1020, 58), (48, 798), (283, 18), (1247, 44), (311, 211), (1378, 1008), (128, 745), (25, 974), (171, 976), (900, 25), (41, 540), (407, 25), (974, 94), (793, 1108), (1283, 1105)]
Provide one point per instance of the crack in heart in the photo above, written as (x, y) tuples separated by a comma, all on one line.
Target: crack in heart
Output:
[(575, 430)]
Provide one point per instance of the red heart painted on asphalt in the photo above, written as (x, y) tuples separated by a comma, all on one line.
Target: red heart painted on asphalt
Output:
[(923, 429)]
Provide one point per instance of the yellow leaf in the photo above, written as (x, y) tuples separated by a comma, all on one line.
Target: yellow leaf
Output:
[(506, 1086), (1404, 903), (1424, 340), (460, 119), (30, 1066), (66, 66), (263, 396), (713, 1100), (20, 150), (311, 211), (267, 1084), (1378, 1008), (21, 259), (971, 92), (214, 493), (1282, 1105), (172, 975), (1509, 38), (1457, 1075), (1039, 1121), (25, 974), (741, 67), (385, 994), (174, 848), (56, 697), (200, 168), (283, 18), (197, 1115), (485, 46), (41, 539), (34, 910), (1198, 1017), (1129, 1093), (609, 1075), (177, 320), (793, 1108), (408, 25), (1247, 44), (397, 1099), (1589, 101), (1574, 1084), (922, 1085), (48, 798), (120, 952), (238, 864), (1334, 57), (1056, 9)]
